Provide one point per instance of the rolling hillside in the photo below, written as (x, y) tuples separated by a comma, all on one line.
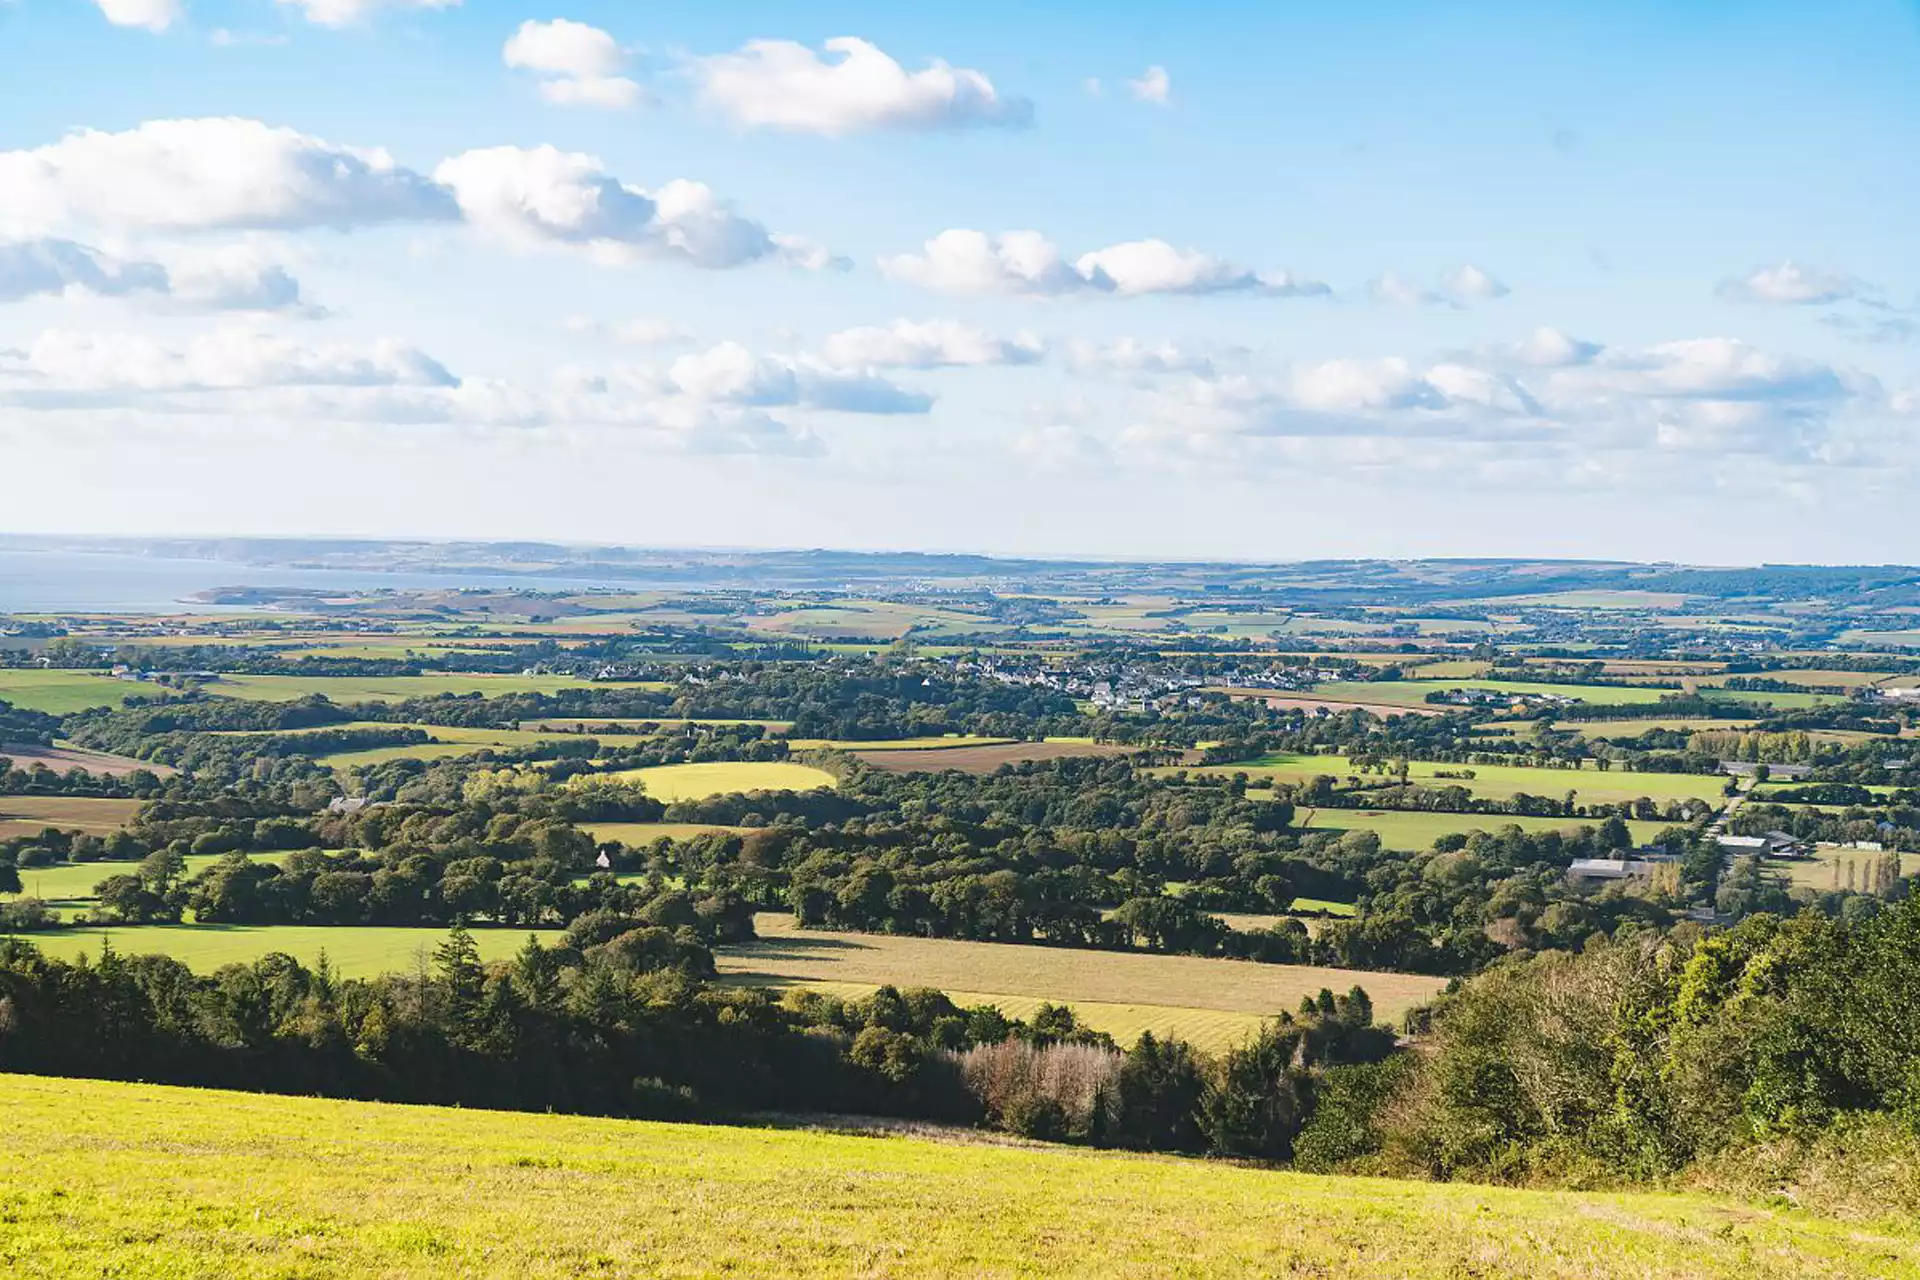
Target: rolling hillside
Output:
[(139, 1180)]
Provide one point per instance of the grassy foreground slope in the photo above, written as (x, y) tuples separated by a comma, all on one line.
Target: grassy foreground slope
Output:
[(139, 1180)]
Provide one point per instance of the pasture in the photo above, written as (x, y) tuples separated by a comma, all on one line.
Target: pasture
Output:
[(354, 951), (62, 693), (1415, 832), (1413, 693), (30, 815), (74, 881), (349, 689), (670, 782), (1491, 781), (145, 1180), (1175, 985)]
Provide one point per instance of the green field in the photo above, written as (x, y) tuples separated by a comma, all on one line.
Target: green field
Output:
[(74, 881), (355, 951), (1492, 781), (61, 693), (670, 782), (1416, 832), (138, 1180), (1413, 693), (347, 689), (1817, 872)]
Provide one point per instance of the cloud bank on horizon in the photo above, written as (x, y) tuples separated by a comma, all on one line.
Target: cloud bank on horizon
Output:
[(972, 278)]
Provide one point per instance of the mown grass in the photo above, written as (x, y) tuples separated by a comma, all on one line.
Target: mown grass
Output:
[(73, 881), (672, 782), (1491, 781), (106, 1179), (1060, 974), (61, 693), (347, 689), (1416, 832), (354, 951)]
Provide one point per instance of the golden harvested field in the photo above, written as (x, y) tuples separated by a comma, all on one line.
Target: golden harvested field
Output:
[(62, 756), (1177, 984), (944, 742), (134, 1180), (670, 782), (981, 759), (30, 815), (1817, 872)]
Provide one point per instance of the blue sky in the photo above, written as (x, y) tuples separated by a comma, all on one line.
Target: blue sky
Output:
[(1235, 280)]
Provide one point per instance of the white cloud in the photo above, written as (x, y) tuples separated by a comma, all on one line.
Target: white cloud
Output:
[(929, 345), (1548, 348), (1469, 282), (1061, 447), (60, 364), (346, 13), (239, 277), (641, 331), (1132, 356), (542, 196), (782, 85), (579, 65), (1548, 397), (729, 373), (1464, 285), (153, 15), (1152, 86), (1025, 262), (51, 267), (1792, 285), (206, 174)]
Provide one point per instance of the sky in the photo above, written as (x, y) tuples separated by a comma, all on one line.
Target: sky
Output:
[(1259, 281)]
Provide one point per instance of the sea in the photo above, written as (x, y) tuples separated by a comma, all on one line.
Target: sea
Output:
[(98, 582)]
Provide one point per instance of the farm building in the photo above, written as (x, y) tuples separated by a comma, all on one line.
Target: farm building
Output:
[(1776, 772), (1609, 869)]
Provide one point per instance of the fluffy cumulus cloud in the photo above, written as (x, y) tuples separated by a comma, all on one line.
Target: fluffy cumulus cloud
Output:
[(854, 87), (152, 15), (239, 277), (578, 65), (347, 13), (1464, 285), (1790, 284), (640, 331), (224, 174), (542, 196), (1132, 356), (731, 374), (1153, 85), (1548, 397), (932, 344), (62, 365), (209, 174), (1025, 262)]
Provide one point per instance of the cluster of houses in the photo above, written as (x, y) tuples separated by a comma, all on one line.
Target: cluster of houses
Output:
[(1119, 686)]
